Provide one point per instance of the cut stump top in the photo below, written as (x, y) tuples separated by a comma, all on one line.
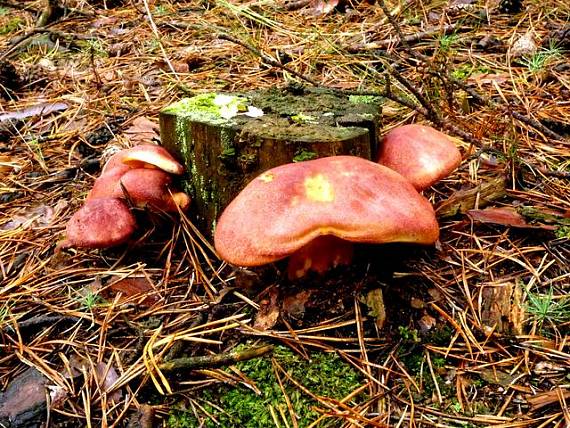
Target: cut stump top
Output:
[(225, 141)]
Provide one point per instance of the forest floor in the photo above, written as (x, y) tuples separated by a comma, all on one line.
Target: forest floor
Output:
[(476, 328)]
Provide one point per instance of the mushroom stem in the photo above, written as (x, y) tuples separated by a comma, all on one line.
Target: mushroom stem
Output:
[(319, 255)]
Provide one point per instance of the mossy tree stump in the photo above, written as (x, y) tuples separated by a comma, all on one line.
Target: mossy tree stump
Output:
[(225, 141)]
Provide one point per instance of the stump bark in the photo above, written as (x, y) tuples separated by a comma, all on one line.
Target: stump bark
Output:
[(224, 142)]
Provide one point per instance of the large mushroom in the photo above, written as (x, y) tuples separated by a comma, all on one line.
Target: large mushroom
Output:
[(314, 210), (420, 153)]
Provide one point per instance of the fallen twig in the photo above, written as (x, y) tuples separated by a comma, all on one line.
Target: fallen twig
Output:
[(228, 358), (416, 37)]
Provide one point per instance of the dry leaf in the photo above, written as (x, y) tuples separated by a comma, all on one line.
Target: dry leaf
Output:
[(178, 66), (543, 399), (488, 78), (57, 396), (435, 294), (24, 399), (496, 376), (324, 7), (426, 323), (268, 313), (462, 201), (142, 130), (38, 216), (294, 305), (104, 374), (505, 216), (374, 300), (548, 368), (417, 303), (7, 164), (501, 308), (119, 49), (103, 21), (144, 417), (106, 377), (133, 287), (460, 4), (524, 46), (36, 110)]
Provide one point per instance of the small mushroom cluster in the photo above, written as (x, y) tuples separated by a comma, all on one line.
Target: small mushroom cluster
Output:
[(139, 177), (313, 211)]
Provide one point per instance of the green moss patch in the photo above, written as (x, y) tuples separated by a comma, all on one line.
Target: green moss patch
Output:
[(8, 22), (210, 107), (325, 375)]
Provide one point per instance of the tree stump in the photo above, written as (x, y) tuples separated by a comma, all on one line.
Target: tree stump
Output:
[(225, 141)]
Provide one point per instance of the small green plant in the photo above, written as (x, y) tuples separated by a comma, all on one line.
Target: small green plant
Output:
[(512, 154), (303, 118), (542, 58), (455, 405), (409, 334), (161, 9), (181, 419), (548, 309), (562, 232), (96, 48), (90, 299), (438, 362), (464, 71), (228, 153), (364, 99), (440, 336), (11, 25), (447, 42)]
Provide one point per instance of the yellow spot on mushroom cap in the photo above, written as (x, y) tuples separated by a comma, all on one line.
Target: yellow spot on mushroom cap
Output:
[(319, 189), (266, 177)]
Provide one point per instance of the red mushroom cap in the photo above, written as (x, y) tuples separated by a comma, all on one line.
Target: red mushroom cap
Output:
[(144, 156), (354, 199), (105, 185), (420, 153), (142, 186), (100, 223)]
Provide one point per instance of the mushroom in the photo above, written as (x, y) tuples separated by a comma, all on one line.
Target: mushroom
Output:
[(140, 174), (314, 210), (420, 153), (142, 187), (144, 156), (105, 184), (100, 223)]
